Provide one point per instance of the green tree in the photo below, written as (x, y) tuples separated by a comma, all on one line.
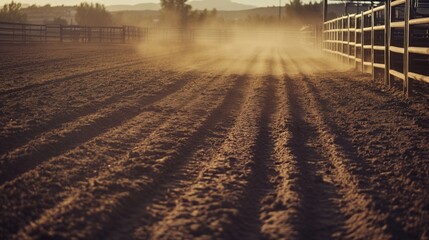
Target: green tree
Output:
[(12, 13), (203, 16), (175, 12), (90, 14), (213, 13), (303, 14), (294, 8)]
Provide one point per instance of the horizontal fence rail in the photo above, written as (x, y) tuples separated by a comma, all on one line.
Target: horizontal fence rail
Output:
[(391, 39), (30, 33)]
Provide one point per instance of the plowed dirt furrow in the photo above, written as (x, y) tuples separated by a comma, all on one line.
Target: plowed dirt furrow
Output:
[(77, 102), (137, 221), (69, 54), (12, 138), (129, 176), (230, 141), (57, 141), (10, 141), (17, 162), (82, 64), (81, 74), (39, 64), (385, 174), (112, 146), (30, 70), (210, 206), (363, 220), (261, 186), (15, 55), (51, 101), (319, 214), (280, 212), (414, 113), (57, 81), (68, 171)]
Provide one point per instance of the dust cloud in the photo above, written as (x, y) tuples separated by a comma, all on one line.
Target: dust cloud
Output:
[(264, 45)]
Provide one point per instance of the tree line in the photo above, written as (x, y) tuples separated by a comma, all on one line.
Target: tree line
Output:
[(12, 13), (295, 13), (87, 14), (180, 14), (176, 13), (173, 12)]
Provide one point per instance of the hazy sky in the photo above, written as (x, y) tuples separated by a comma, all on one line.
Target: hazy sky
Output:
[(261, 3)]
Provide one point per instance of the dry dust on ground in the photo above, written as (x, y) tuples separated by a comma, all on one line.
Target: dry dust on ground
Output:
[(238, 142)]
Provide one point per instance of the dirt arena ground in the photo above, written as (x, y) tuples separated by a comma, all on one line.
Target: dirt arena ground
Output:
[(119, 142)]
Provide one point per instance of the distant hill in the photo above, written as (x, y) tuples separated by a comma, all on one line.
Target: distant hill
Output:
[(242, 14), (138, 7), (222, 5), (150, 17), (227, 15)]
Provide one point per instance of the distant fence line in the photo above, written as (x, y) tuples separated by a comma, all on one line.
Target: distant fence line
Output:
[(32, 33), (29, 33), (390, 39)]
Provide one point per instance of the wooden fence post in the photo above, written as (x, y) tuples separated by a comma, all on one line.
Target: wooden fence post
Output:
[(406, 57), (341, 38), (321, 38), (362, 40), (100, 34), (372, 43), (124, 34), (337, 37), (340, 57), (356, 35), (387, 35), (46, 33), (61, 33), (111, 34), (348, 39), (23, 32)]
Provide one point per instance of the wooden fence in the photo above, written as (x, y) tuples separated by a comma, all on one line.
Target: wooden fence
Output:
[(30, 33), (391, 39)]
